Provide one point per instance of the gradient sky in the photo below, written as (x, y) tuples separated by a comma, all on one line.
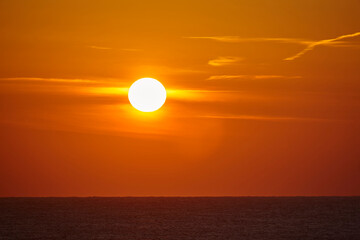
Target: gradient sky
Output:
[(263, 98)]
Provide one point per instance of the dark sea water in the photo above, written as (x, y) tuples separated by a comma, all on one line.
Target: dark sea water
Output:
[(180, 218)]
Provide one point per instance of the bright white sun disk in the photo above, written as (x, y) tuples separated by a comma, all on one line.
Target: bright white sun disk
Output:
[(147, 95)]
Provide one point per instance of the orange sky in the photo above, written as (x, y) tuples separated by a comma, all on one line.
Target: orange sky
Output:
[(263, 98)]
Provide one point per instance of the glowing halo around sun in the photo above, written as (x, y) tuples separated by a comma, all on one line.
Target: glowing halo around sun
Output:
[(147, 95)]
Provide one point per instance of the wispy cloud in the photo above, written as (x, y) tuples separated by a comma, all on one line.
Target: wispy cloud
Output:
[(228, 77), (264, 118), (311, 46), (223, 61), (99, 47), (109, 48)]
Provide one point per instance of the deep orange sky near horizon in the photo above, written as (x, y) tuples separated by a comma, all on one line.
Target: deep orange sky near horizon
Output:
[(258, 104)]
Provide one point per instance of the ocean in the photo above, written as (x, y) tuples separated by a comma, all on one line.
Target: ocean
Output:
[(177, 218)]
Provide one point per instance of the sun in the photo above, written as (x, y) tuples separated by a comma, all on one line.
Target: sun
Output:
[(147, 95)]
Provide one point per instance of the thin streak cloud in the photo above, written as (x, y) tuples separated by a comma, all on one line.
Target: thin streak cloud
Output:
[(322, 42), (237, 39), (109, 48), (99, 47), (310, 44)]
